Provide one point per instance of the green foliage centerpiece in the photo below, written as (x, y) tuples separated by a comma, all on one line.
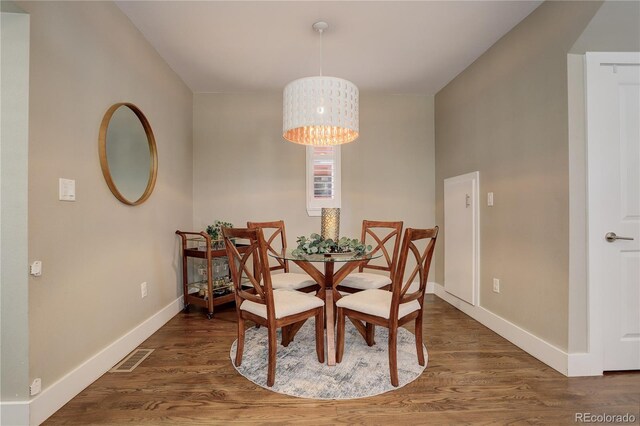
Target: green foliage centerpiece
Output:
[(315, 244), (215, 232)]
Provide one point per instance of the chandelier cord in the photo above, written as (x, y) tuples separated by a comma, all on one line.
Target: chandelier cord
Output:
[(321, 31)]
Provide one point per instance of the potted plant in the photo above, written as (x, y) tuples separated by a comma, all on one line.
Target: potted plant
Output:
[(215, 232)]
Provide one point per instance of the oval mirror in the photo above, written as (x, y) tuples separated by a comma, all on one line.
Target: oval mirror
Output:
[(128, 154)]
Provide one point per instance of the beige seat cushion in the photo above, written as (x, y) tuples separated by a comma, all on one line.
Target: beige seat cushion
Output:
[(365, 280), (286, 302), (376, 302), (291, 281)]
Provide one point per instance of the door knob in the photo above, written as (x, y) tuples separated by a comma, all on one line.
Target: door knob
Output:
[(611, 237)]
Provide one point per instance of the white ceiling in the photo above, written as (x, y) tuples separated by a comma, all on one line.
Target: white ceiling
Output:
[(382, 46)]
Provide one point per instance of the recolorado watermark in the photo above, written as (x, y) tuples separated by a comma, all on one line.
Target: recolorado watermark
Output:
[(604, 418)]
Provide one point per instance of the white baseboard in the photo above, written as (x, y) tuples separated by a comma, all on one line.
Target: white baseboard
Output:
[(544, 351), (584, 364), (14, 413), (431, 288), (59, 393)]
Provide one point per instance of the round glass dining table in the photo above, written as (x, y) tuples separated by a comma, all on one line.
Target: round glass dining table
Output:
[(328, 281)]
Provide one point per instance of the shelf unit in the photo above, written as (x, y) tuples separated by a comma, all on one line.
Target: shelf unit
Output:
[(202, 250)]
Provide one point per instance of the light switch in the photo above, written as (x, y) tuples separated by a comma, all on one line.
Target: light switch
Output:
[(36, 268), (66, 189), (490, 199)]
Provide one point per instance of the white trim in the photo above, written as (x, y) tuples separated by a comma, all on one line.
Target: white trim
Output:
[(431, 288), (15, 413), (59, 393), (583, 364), (474, 177), (14, 204), (594, 313), (554, 357)]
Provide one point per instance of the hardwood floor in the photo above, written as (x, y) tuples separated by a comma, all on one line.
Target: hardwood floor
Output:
[(472, 376)]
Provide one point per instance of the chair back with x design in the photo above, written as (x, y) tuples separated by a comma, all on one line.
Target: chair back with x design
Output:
[(384, 236), (254, 283), (421, 253), (275, 239)]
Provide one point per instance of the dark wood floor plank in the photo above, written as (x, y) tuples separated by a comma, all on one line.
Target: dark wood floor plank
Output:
[(473, 376)]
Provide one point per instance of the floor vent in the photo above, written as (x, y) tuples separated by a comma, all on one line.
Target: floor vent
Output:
[(133, 360)]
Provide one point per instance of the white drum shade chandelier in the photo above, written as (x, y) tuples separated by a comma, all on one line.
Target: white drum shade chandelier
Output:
[(320, 111)]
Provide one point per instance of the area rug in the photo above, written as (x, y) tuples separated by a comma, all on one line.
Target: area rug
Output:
[(364, 370)]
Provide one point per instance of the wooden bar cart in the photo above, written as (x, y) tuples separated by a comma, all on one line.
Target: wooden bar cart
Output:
[(199, 245)]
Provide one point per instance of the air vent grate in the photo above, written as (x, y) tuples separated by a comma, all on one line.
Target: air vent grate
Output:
[(134, 359)]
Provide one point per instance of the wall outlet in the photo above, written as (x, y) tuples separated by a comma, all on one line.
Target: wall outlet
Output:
[(496, 285), (35, 387), (490, 199), (35, 268), (143, 289), (202, 271)]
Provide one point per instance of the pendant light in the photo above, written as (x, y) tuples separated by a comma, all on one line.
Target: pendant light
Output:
[(320, 111)]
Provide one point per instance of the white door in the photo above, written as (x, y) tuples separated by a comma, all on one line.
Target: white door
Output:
[(613, 143), (461, 232)]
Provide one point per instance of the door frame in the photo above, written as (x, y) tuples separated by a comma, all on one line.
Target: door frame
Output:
[(592, 362), (14, 226), (475, 204)]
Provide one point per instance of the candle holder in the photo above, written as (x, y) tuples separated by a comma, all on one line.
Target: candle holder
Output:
[(330, 225)]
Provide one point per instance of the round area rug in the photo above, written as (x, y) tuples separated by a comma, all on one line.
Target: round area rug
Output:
[(364, 370)]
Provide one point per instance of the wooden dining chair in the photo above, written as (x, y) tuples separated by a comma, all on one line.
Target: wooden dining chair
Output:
[(394, 308), (382, 236), (262, 304), (276, 240)]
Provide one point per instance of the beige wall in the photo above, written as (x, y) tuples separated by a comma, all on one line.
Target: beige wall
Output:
[(506, 116), (578, 321), (616, 27), (85, 56), (244, 170)]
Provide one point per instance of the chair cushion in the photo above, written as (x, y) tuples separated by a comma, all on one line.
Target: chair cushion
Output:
[(376, 302), (365, 280), (291, 281), (286, 302)]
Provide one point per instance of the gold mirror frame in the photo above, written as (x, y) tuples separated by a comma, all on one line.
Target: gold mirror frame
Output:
[(104, 164)]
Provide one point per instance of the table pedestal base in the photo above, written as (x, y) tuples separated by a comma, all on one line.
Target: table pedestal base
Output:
[(328, 283)]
